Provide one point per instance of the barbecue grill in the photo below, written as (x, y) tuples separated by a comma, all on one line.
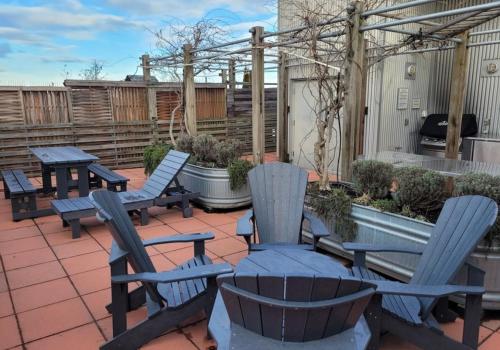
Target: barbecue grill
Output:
[(434, 130)]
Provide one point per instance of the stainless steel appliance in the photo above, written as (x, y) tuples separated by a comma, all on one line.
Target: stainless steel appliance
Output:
[(484, 148), (434, 130)]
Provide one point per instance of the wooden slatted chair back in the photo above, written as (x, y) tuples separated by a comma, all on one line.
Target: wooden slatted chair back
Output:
[(463, 222), (278, 192), (294, 308), (122, 229), (165, 173)]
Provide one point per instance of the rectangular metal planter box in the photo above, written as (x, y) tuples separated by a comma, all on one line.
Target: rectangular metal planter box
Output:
[(214, 187), (376, 227)]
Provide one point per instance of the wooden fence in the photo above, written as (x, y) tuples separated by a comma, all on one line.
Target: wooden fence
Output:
[(110, 120)]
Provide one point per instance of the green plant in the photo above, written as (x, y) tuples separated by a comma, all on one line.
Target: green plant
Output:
[(204, 148), (238, 170), (484, 185), (227, 151), (336, 206), (373, 178), (153, 155), (422, 191), (387, 205), (184, 143)]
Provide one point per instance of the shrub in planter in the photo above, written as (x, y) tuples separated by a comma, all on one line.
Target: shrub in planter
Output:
[(336, 206), (153, 155), (184, 143), (227, 152), (484, 185), (238, 170), (373, 178), (204, 149), (421, 191)]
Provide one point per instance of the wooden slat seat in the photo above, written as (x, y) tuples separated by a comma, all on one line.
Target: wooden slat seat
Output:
[(22, 195), (403, 307), (114, 181)]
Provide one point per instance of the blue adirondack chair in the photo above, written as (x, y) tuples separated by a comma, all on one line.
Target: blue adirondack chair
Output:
[(406, 309)]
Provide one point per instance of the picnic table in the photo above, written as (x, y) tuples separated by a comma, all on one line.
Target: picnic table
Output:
[(61, 160)]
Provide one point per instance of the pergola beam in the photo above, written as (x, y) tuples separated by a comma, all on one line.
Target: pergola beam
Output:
[(282, 118)]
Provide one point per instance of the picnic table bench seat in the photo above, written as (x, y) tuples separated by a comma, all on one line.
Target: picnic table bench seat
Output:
[(71, 210), (22, 195), (114, 181)]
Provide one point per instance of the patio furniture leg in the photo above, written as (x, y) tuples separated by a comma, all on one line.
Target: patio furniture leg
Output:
[(119, 298), (46, 179), (442, 312), (75, 228), (144, 216), (211, 295), (62, 183), (83, 181), (136, 299), (373, 315)]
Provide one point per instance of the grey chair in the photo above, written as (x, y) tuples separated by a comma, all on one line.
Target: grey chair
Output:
[(278, 193), (290, 311), (407, 309), (171, 297)]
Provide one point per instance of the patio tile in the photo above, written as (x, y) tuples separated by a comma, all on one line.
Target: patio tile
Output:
[(32, 297), (172, 340), (76, 248), (181, 255), (147, 232), (234, 259), (22, 244), (64, 237), (188, 225), (491, 320), (166, 248), (30, 275), (492, 343), (455, 330), (18, 233), (81, 338), (133, 317), (46, 219), (171, 216), (5, 305), (218, 234), (97, 301), (29, 258), (51, 319), (85, 262), (216, 219), (230, 229), (3, 283), (197, 333), (8, 224), (92, 281), (162, 263), (9, 332), (226, 246), (53, 227)]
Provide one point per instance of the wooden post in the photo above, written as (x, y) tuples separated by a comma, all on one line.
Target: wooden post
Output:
[(354, 82), (232, 74), (223, 76), (150, 97), (457, 97), (189, 92), (362, 107), (258, 117), (282, 134)]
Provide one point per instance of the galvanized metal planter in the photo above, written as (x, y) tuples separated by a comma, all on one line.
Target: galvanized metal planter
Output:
[(213, 186), (376, 227)]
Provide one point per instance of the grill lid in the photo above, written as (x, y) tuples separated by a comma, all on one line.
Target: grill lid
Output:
[(436, 126)]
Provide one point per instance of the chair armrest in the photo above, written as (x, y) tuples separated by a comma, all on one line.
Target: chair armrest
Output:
[(204, 271), (195, 237), (244, 226), (318, 228), (434, 291), (365, 247)]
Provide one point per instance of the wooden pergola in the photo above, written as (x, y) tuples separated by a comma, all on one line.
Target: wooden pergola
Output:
[(445, 30)]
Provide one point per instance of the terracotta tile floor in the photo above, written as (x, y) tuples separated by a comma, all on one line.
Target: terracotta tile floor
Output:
[(53, 289)]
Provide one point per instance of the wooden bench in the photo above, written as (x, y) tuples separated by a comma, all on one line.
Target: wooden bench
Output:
[(114, 181), (22, 195), (73, 209)]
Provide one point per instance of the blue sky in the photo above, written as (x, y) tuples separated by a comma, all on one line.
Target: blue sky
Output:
[(41, 41)]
